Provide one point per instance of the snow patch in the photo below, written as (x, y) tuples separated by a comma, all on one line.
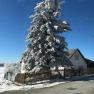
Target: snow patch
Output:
[(65, 22), (56, 27)]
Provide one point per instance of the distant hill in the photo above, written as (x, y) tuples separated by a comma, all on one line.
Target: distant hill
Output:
[(1, 64)]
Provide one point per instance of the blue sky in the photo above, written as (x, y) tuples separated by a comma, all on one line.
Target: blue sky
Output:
[(14, 23)]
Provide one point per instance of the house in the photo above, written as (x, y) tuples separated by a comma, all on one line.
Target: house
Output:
[(90, 66), (78, 61)]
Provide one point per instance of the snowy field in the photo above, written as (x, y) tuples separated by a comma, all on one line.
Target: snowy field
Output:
[(9, 86)]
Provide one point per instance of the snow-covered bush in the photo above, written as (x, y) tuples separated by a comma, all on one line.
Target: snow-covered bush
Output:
[(11, 71)]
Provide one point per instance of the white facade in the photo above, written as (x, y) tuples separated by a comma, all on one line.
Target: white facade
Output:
[(78, 61)]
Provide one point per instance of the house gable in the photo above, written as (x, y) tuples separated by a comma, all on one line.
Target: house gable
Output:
[(77, 59)]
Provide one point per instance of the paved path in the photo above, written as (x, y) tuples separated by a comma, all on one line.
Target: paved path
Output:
[(85, 86)]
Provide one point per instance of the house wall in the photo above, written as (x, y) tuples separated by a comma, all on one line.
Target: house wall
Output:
[(78, 62), (90, 70)]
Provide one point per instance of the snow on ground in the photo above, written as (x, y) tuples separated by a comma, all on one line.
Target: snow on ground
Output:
[(8, 86), (1, 75)]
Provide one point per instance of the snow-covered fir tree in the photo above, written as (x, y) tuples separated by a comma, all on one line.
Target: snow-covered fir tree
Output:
[(46, 46)]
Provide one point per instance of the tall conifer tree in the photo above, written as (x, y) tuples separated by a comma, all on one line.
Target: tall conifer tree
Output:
[(46, 45)]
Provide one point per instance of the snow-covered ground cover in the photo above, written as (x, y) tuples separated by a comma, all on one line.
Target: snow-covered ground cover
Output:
[(8, 86)]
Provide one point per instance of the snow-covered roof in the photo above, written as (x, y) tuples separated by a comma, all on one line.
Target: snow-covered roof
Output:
[(71, 53)]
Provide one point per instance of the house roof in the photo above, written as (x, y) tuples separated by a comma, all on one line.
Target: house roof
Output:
[(90, 63), (71, 53)]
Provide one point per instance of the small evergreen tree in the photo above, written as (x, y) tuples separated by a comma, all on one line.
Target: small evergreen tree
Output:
[(46, 46)]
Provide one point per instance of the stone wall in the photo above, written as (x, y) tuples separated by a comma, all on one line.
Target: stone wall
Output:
[(27, 78)]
